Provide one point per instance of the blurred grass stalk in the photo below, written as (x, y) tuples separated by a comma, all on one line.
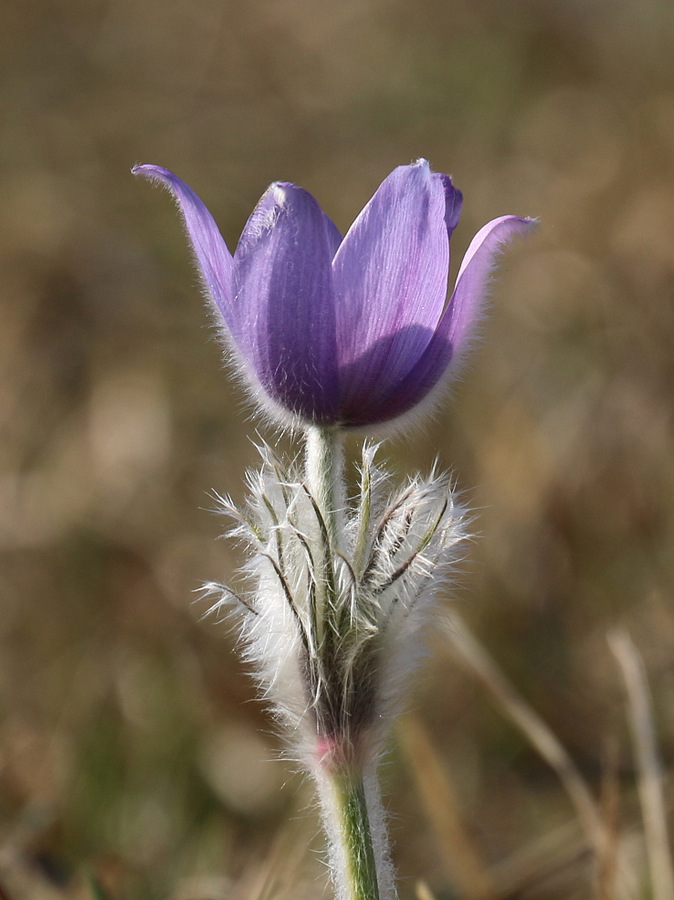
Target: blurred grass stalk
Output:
[(599, 836), (649, 767), (466, 867)]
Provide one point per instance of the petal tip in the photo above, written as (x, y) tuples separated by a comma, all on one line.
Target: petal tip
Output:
[(278, 191), (147, 170), (524, 225)]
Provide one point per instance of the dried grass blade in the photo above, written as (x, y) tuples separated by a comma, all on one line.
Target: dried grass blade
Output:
[(650, 776)]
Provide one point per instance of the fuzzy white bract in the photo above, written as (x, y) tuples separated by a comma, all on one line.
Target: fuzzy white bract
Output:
[(333, 623)]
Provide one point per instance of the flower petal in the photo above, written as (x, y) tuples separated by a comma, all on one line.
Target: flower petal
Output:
[(452, 335), (391, 280), (285, 311), (465, 306), (213, 257), (453, 201)]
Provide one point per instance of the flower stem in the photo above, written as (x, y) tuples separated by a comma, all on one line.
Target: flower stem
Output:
[(324, 468), (348, 823), (357, 862)]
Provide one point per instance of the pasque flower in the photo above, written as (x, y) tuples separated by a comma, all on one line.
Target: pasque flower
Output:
[(351, 331), (338, 333)]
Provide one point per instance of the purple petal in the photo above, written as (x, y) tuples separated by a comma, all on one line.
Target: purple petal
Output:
[(465, 306), (285, 310), (451, 336), (391, 279), (453, 202), (213, 257), (334, 235)]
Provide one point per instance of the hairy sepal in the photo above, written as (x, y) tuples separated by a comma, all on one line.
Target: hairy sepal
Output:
[(333, 633)]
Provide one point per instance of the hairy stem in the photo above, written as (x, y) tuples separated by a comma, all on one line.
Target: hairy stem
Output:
[(324, 475), (348, 800), (353, 819)]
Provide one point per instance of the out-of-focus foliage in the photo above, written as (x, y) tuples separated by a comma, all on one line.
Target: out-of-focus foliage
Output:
[(130, 752)]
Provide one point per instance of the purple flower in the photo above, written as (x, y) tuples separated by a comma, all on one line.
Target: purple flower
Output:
[(351, 331)]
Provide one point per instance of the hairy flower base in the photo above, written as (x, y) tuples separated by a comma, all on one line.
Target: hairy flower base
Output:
[(332, 617)]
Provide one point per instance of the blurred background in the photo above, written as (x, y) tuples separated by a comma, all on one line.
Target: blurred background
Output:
[(134, 760)]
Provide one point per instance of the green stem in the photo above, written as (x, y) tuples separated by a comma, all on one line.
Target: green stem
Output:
[(353, 850), (343, 794), (324, 473)]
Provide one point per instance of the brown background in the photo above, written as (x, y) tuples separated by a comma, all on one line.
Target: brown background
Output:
[(130, 745)]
